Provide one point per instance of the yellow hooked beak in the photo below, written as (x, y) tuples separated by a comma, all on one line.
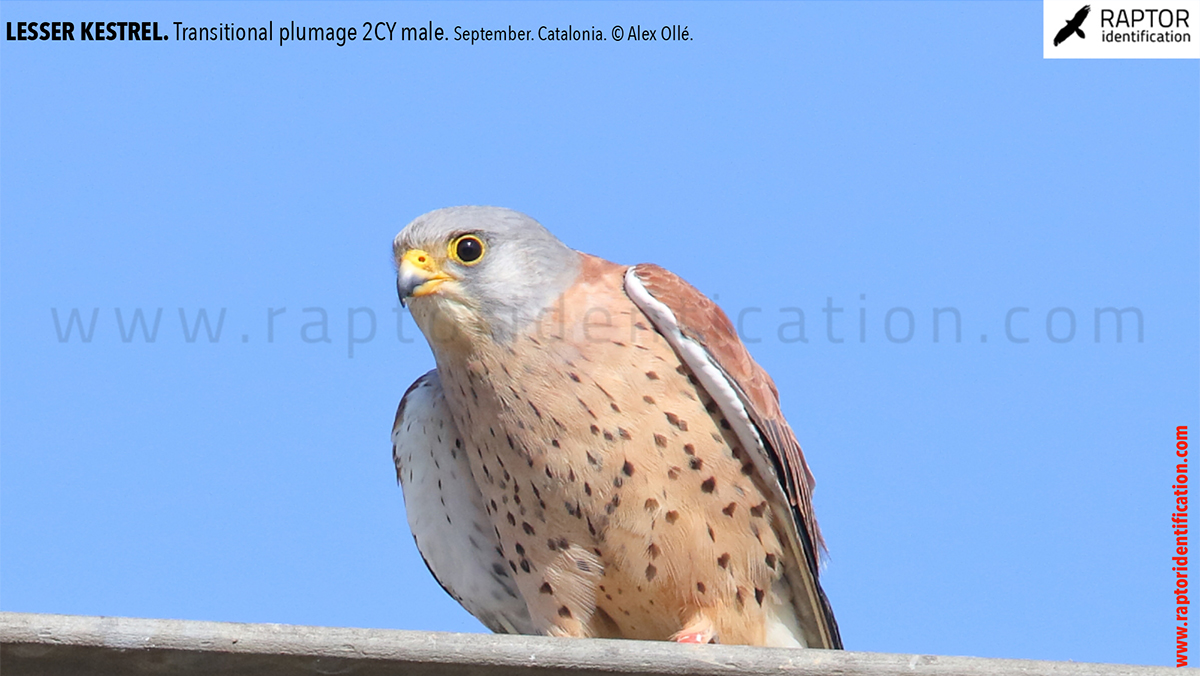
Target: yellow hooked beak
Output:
[(419, 275)]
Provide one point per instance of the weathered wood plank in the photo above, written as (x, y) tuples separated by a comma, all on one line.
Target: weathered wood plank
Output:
[(69, 645)]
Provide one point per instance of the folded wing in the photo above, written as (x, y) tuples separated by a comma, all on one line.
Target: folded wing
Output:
[(446, 513), (705, 340)]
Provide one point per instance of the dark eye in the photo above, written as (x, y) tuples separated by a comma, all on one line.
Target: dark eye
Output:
[(467, 249)]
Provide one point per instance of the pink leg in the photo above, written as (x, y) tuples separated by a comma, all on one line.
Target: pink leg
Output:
[(699, 630)]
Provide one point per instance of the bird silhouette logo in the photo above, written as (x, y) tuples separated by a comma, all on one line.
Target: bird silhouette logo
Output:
[(1073, 26)]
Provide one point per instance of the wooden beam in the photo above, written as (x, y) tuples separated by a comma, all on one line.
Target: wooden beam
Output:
[(69, 645)]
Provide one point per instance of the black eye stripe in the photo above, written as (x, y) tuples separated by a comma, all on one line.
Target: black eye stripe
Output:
[(468, 249)]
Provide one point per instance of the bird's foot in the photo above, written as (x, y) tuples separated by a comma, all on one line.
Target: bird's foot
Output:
[(699, 630)]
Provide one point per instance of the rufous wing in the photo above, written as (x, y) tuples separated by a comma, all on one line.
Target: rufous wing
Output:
[(706, 341)]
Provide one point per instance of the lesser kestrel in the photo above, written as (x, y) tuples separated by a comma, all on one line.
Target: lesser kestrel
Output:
[(596, 453)]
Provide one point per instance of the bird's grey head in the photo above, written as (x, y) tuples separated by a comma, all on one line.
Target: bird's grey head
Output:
[(471, 271)]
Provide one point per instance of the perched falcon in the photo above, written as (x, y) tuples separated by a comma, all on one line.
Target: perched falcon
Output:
[(596, 453)]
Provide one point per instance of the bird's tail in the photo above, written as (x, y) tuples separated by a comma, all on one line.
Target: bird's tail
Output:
[(1079, 32)]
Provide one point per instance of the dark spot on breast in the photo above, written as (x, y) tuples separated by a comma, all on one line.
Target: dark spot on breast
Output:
[(673, 473), (757, 510), (748, 468), (546, 588), (608, 435), (624, 433), (660, 441), (648, 399), (564, 611), (520, 549), (711, 535), (573, 377), (512, 520), (696, 463), (525, 565), (651, 572), (570, 475), (689, 449), (549, 474), (513, 565), (510, 441), (651, 504), (587, 488), (741, 598), (535, 410), (758, 595), (527, 528), (651, 375), (618, 482), (562, 543), (627, 468), (729, 509), (723, 560), (615, 408), (709, 485), (494, 507), (771, 561), (674, 420), (592, 459), (672, 516), (554, 443), (595, 430), (700, 587), (653, 550), (710, 406)]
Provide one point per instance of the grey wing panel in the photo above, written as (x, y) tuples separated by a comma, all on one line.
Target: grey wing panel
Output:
[(446, 513)]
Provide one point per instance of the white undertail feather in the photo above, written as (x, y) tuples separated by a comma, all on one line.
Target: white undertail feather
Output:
[(446, 513)]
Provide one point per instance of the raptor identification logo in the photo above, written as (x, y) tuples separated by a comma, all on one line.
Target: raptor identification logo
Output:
[(1121, 29)]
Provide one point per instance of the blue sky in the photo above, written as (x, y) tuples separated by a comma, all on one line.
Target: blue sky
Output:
[(983, 497)]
